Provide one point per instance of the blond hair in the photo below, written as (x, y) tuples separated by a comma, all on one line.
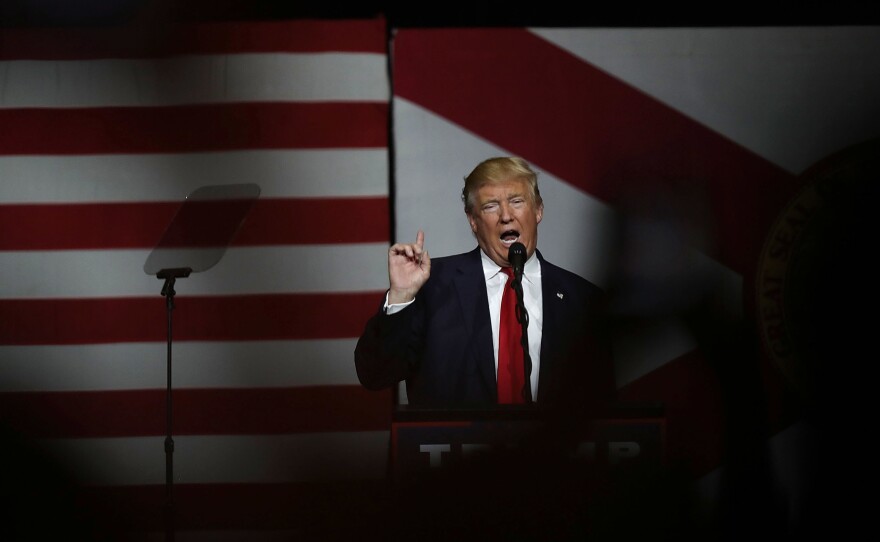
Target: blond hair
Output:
[(495, 170)]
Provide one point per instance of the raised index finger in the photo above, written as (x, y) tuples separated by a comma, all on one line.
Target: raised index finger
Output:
[(420, 239)]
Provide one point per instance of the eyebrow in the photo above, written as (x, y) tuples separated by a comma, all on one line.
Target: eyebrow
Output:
[(510, 197)]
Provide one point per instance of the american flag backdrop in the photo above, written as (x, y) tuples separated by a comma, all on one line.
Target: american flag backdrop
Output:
[(103, 133)]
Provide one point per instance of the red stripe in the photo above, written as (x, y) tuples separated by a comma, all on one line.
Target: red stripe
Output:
[(195, 318), (305, 221), (311, 510), (295, 36), (193, 128), (134, 413), (588, 128), (317, 221), (691, 395)]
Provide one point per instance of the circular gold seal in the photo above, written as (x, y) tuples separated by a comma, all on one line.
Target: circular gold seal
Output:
[(809, 308)]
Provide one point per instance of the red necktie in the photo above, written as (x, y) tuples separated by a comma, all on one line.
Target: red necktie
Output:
[(511, 375)]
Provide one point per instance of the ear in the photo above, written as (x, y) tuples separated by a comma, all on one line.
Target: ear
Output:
[(539, 214)]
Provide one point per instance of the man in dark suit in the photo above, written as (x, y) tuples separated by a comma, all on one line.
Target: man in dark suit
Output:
[(439, 325)]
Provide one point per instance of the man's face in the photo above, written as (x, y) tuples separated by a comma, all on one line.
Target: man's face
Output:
[(504, 213)]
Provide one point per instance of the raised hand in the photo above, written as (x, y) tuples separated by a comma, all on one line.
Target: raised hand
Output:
[(409, 267)]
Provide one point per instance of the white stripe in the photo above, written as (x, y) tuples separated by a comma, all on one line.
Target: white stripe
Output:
[(127, 366), (224, 459), (227, 78), (648, 344), (170, 177), (242, 270), (660, 282)]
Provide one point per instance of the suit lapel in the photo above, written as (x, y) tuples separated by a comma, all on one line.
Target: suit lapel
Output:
[(470, 284)]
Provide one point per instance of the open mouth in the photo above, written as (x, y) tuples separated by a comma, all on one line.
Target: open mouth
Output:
[(509, 237)]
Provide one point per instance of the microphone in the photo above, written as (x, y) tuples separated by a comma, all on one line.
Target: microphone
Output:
[(516, 255)]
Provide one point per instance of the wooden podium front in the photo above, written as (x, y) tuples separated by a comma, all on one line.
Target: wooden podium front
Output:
[(425, 440)]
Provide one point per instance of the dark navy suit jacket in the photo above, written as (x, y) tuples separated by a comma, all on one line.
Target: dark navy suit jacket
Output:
[(442, 343)]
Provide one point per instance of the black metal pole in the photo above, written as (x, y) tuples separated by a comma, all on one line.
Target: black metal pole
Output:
[(170, 276), (168, 292)]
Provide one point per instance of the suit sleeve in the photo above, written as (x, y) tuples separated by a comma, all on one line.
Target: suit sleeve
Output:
[(389, 349)]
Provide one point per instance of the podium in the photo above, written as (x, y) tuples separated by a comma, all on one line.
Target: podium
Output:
[(425, 440)]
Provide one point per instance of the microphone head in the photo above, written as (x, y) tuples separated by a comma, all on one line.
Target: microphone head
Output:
[(516, 255)]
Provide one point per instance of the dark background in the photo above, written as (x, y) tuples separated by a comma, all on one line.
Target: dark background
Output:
[(21, 13)]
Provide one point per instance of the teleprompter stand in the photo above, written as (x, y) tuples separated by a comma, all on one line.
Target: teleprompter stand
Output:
[(170, 276), (194, 241)]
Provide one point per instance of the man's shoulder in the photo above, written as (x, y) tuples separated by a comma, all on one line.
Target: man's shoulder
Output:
[(561, 272), (443, 264), (571, 279)]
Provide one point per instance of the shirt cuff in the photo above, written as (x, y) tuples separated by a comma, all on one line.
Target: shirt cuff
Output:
[(395, 307)]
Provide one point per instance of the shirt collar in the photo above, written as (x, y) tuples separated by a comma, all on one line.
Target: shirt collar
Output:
[(531, 270)]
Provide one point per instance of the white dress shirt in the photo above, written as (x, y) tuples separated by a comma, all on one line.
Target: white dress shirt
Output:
[(531, 285)]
